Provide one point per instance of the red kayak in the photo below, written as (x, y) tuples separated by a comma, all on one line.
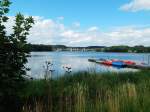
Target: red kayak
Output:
[(107, 62), (128, 62)]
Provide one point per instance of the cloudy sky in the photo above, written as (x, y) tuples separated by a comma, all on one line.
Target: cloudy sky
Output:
[(86, 22)]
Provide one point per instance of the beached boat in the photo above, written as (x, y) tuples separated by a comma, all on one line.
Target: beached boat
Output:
[(121, 63), (118, 64), (101, 60), (107, 62), (92, 60), (128, 62)]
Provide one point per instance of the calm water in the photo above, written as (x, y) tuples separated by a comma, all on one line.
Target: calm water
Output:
[(78, 61)]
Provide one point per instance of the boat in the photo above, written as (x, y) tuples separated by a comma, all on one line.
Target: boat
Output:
[(92, 60), (128, 62), (118, 64), (101, 60), (107, 62), (121, 63)]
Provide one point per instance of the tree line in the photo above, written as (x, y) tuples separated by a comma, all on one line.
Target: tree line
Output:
[(134, 49), (42, 47)]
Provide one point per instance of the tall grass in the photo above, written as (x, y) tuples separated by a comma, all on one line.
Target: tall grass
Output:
[(89, 92)]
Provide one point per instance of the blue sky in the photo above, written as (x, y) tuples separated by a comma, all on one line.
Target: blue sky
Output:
[(103, 15)]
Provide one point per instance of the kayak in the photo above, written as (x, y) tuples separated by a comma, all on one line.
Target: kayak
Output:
[(108, 62), (100, 60), (118, 64), (128, 62)]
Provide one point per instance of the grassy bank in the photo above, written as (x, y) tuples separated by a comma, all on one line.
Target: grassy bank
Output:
[(84, 92)]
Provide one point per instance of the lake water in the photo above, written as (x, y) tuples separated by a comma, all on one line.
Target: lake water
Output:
[(78, 61)]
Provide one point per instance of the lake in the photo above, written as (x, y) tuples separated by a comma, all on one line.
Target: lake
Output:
[(78, 61)]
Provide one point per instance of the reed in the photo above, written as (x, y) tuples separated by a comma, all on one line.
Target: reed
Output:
[(89, 92)]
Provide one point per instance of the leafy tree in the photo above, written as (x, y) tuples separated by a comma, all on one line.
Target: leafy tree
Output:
[(13, 53)]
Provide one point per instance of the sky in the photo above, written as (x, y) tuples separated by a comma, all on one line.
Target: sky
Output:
[(86, 22)]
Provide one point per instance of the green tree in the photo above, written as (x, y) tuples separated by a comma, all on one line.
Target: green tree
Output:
[(117, 49), (14, 50)]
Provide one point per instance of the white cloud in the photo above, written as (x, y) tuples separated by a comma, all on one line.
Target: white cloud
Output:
[(136, 5), (48, 31), (93, 28), (130, 36), (45, 31)]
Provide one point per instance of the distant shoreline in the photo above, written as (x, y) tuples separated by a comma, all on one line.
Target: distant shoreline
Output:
[(117, 49)]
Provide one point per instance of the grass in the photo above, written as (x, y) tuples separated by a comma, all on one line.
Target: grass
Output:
[(89, 92)]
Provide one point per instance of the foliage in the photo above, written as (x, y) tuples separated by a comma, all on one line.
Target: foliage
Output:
[(13, 52), (90, 92), (135, 49), (35, 47), (117, 49)]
